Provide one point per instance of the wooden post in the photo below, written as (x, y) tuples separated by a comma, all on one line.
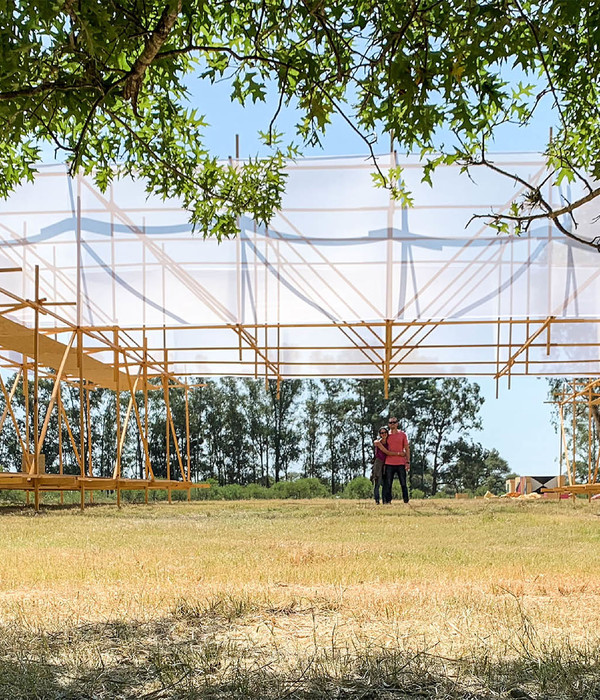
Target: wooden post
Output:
[(60, 449), (560, 441), (26, 400), (574, 433), (589, 439), (80, 346), (565, 446), (167, 414), (89, 437), (145, 380), (117, 470), (187, 437), (81, 414), (388, 358), (36, 390)]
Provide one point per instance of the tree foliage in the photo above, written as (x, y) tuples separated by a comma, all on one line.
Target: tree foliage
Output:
[(105, 83)]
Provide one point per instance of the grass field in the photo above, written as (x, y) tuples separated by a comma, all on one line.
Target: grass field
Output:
[(305, 599)]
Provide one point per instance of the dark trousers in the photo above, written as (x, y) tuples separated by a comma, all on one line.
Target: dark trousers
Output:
[(390, 470), (377, 484)]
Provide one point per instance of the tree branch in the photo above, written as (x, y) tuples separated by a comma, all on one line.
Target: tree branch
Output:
[(32, 90), (165, 163), (86, 125), (223, 49), (158, 37), (552, 87)]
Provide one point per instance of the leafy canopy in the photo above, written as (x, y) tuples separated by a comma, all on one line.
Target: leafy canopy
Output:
[(104, 82)]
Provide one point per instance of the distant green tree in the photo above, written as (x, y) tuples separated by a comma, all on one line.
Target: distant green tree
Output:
[(448, 408), (312, 430), (234, 434), (258, 410), (371, 413), (341, 437), (410, 402), (213, 430), (468, 466), (285, 432)]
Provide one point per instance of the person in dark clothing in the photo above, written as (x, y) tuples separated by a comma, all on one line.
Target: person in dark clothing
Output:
[(378, 471)]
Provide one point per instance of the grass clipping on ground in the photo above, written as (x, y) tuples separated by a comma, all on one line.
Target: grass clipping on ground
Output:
[(302, 600)]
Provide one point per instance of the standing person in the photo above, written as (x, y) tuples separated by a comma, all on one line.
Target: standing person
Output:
[(397, 460), (378, 471)]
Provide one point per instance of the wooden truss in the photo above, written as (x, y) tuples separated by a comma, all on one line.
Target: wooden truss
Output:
[(72, 360), (581, 400)]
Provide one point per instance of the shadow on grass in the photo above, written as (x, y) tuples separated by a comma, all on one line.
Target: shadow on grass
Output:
[(194, 653)]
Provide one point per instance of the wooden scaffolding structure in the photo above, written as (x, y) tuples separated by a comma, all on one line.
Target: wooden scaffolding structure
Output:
[(71, 360), (578, 403), (343, 283)]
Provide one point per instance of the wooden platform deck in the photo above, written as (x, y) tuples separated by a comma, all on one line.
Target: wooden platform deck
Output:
[(20, 481)]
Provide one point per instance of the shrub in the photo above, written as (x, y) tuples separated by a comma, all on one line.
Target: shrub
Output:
[(306, 488), (10, 496), (359, 487), (132, 496), (417, 494), (211, 494), (279, 490), (233, 492), (257, 491)]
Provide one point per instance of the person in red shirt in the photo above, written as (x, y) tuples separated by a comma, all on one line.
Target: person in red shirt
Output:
[(397, 460)]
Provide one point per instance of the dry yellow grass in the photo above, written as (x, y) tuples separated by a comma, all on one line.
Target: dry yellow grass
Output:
[(289, 585)]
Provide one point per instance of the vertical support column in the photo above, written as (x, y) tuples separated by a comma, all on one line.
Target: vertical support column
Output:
[(88, 412), (255, 309), (560, 446), (510, 332), (145, 379), (278, 385), (187, 438), (81, 415), (573, 435), (167, 417), (61, 469), (26, 437), (27, 415), (36, 391), (498, 358), (26, 456), (589, 406), (388, 358), (565, 445), (238, 253), (80, 347), (117, 469)]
